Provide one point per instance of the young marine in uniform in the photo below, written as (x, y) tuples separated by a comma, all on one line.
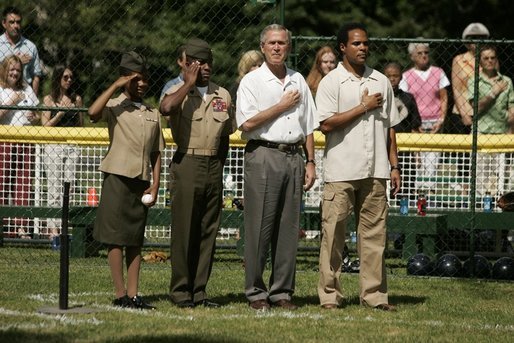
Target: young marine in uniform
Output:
[(132, 168)]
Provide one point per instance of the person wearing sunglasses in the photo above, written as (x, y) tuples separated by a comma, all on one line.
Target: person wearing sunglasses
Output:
[(60, 159)]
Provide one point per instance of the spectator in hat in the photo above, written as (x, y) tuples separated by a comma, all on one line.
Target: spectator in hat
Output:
[(463, 68), (201, 121), (131, 168), (460, 119), (12, 42)]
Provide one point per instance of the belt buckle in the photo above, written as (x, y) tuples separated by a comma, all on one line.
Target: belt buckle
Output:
[(288, 148)]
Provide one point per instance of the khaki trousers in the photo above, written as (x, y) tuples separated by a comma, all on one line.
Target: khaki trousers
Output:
[(367, 198)]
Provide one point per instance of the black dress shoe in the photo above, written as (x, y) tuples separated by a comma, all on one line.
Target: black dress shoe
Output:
[(137, 302), (123, 301), (207, 303), (184, 304)]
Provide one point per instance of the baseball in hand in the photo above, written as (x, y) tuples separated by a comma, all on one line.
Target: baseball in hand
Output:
[(147, 199)]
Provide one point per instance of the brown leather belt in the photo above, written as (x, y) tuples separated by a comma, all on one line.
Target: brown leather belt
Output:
[(290, 148)]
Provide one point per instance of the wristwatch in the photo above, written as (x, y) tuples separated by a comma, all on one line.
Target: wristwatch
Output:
[(397, 168), (310, 161)]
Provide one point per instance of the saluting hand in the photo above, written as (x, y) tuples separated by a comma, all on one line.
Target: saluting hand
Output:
[(191, 73), (124, 80)]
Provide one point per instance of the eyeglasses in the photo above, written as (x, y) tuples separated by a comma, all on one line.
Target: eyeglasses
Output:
[(67, 77)]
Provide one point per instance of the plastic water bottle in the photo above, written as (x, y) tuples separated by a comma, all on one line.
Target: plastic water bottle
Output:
[(488, 202), (167, 197), (56, 243), (228, 202), (404, 206), (422, 205), (353, 237)]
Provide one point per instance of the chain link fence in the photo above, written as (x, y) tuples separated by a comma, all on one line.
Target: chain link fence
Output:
[(456, 172)]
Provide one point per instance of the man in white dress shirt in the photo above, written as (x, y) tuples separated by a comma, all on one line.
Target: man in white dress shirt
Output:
[(275, 111)]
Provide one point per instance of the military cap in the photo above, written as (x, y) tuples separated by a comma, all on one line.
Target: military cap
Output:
[(198, 48), (133, 61)]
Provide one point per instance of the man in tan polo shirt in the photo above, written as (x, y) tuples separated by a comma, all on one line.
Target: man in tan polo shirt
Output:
[(201, 122), (357, 114)]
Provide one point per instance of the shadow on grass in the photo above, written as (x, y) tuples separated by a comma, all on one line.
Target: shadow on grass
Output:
[(15, 336), (355, 301), (231, 298), (406, 300), (18, 335), (176, 338), (397, 300), (311, 300)]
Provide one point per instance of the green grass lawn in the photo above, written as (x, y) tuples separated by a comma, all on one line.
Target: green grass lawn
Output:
[(429, 309)]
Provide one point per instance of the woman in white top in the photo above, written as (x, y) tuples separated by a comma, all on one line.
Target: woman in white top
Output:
[(15, 158)]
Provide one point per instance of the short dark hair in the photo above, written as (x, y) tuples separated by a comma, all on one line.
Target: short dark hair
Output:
[(11, 10), (393, 65), (342, 35), (488, 47)]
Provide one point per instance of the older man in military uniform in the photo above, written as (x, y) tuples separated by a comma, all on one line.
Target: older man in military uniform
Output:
[(201, 121)]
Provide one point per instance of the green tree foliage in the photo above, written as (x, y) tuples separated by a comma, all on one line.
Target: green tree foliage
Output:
[(90, 35)]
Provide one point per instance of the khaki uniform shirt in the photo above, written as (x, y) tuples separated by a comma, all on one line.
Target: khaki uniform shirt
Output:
[(134, 133), (359, 150), (200, 123)]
